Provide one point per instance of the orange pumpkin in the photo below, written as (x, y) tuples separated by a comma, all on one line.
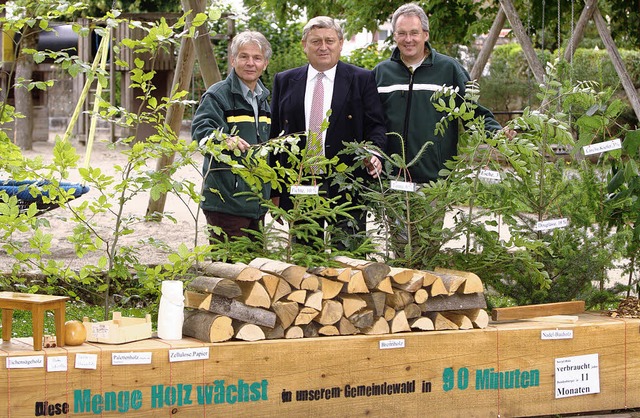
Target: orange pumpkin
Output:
[(74, 333)]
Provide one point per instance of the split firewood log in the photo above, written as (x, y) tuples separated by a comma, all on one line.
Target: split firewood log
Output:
[(385, 285), (314, 300), (434, 284), (412, 310), (351, 303), (423, 324), (311, 330), (328, 330), (299, 296), (389, 313), (206, 326), (362, 319), (254, 294), (293, 332), (275, 333), (292, 273), (379, 327), (440, 322), (399, 323), (216, 285), (451, 282), (399, 299), (197, 300), (305, 316), (276, 287), (478, 317), (412, 285), (461, 321), (401, 275), (330, 288), (376, 301), (344, 274), (472, 283), (421, 296), (310, 282), (346, 327), (286, 311), (372, 271), (235, 271), (331, 312), (248, 332), (356, 283)]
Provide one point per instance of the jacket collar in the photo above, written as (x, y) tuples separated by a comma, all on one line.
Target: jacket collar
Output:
[(233, 79), (428, 60)]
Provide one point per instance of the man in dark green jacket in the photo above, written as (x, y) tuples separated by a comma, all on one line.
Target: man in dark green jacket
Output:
[(406, 83), (235, 110)]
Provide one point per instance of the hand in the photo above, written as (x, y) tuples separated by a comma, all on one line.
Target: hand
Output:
[(235, 142), (374, 166), (509, 133)]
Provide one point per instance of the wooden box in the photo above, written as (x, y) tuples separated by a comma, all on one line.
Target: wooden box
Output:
[(509, 369), (119, 330)]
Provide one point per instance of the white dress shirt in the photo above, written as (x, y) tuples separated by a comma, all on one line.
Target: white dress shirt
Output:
[(327, 82)]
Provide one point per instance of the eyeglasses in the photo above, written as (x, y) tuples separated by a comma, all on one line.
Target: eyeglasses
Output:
[(412, 34)]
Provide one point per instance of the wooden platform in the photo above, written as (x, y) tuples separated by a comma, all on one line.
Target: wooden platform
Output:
[(507, 370)]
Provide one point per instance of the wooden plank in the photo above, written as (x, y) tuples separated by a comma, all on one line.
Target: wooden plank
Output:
[(532, 311)]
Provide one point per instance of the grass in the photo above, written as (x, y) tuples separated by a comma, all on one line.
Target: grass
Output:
[(74, 310)]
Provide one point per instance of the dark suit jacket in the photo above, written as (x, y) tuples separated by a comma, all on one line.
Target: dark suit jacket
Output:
[(356, 109)]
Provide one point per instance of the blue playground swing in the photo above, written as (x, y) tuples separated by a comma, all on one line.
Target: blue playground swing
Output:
[(22, 190)]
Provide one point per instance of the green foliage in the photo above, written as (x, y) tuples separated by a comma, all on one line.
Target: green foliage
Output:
[(511, 86), (368, 56)]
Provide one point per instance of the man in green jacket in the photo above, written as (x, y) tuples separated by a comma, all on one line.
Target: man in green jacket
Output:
[(235, 110), (406, 83)]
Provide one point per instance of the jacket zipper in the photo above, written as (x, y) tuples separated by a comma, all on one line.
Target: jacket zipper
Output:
[(407, 113)]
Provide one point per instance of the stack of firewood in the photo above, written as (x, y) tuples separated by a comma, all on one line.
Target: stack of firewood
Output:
[(269, 299)]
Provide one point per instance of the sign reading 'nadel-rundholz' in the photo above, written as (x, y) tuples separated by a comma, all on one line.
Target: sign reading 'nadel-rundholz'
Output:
[(578, 375)]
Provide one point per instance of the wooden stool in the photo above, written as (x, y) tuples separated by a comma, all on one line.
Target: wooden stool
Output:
[(37, 304)]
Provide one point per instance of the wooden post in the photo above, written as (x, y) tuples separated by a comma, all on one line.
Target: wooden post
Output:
[(204, 51), (488, 45), (578, 31), (523, 38), (182, 78), (625, 79), (175, 112)]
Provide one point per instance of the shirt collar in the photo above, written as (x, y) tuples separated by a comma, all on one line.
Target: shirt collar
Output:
[(330, 73), (248, 93)]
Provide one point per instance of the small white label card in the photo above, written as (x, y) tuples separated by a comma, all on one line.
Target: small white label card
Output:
[(602, 147), (100, 331), (86, 361), (551, 224), (57, 364), (308, 190), (188, 354), (556, 334), (388, 344), (578, 375), (25, 362), (120, 359), (403, 186), (490, 176)]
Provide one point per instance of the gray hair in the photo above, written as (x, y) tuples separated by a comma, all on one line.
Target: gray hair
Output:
[(410, 9), (322, 22), (248, 36)]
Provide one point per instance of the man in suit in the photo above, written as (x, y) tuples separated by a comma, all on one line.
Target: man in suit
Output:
[(349, 91)]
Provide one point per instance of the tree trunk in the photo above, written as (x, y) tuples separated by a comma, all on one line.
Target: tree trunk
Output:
[(23, 132)]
